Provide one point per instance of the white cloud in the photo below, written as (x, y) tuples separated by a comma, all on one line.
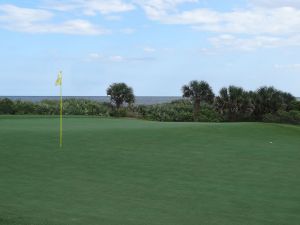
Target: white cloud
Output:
[(26, 15), (282, 20), (79, 27), (227, 41), (119, 58), (113, 17), (95, 57), (149, 49), (159, 9), (116, 58), (162, 5), (295, 66), (265, 23), (127, 31), (39, 21), (208, 51), (247, 44), (91, 7), (275, 3)]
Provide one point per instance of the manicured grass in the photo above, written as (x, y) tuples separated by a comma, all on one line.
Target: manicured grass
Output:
[(130, 172)]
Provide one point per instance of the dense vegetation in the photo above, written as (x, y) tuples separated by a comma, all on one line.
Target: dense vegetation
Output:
[(232, 104)]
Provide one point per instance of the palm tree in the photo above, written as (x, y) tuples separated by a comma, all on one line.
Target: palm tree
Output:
[(120, 93), (234, 103), (198, 92), (270, 100)]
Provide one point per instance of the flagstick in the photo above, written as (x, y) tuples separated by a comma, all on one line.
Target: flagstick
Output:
[(61, 111)]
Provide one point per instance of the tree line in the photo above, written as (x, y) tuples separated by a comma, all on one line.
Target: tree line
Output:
[(199, 103), (231, 104)]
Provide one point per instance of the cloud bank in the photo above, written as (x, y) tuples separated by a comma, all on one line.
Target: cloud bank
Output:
[(261, 23)]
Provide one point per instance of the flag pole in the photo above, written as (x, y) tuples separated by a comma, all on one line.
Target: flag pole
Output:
[(59, 82), (61, 121)]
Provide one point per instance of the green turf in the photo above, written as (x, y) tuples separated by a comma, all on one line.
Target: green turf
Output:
[(131, 172)]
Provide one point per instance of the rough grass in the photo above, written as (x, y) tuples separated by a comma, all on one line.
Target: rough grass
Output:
[(130, 172)]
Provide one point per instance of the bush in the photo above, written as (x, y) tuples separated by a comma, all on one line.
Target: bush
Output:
[(6, 106), (47, 107), (271, 118), (121, 112), (177, 111), (52, 107), (22, 108), (295, 105), (85, 107), (209, 115), (291, 117)]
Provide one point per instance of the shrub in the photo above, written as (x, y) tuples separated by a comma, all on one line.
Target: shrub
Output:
[(177, 111), (22, 107), (120, 112), (85, 107), (295, 105), (291, 117), (6, 106), (47, 107), (209, 115), (271, 118), (52, 107)]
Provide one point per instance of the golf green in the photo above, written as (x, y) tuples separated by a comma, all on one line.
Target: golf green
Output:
[(133, 172)]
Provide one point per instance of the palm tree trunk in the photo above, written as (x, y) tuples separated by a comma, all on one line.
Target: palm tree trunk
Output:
[(196, 109)]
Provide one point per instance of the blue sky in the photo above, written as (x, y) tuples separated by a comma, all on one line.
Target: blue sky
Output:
[(155, 46)]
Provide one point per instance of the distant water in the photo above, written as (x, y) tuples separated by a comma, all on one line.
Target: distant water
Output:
[(140, 100)]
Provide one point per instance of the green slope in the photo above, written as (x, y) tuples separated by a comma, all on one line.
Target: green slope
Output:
[(130, 172)]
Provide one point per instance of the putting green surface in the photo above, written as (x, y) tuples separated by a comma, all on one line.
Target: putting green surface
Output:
[(131, 172)]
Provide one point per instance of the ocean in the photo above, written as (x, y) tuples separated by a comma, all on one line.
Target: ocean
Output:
[(140, 100)]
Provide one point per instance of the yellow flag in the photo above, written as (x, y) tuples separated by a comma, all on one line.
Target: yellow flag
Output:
[(59, 79)]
